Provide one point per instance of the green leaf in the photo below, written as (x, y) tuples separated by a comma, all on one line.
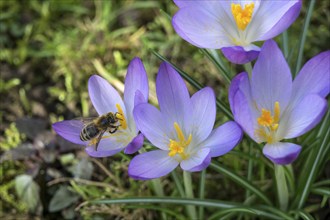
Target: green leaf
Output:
[(271, 213), (310, 170), (321, 191), (27, 190), (218, 65), (157, 208), (62, 199), (240, 181), (303, 35), (232, 210)]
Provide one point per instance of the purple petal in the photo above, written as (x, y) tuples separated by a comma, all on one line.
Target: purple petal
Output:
[(136, 79), (238, 55), (281, 153), (135, 145), (314, 78), (306, 115), (266, 17), (70, 130), (151, 123), (223, 139), (271, 78), (93, 153), (139, 98), (151, 165), (240, 103), (285, 21), (197, 162), (204, 111), (185, 3), (173, 97), (103, 96), (111, 142), (205, 26)]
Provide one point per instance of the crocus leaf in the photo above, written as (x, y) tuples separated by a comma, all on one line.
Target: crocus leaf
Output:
[(264, 211)]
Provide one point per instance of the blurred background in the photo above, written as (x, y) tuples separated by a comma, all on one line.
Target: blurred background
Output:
[(48, 50)]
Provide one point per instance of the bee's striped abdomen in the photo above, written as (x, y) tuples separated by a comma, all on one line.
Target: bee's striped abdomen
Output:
[(88, 132)]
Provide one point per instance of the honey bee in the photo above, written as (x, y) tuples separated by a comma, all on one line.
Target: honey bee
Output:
[(108, 122)]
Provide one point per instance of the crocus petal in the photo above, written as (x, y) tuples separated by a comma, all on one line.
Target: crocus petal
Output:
[(93, 153), (281, 153), (239, 55), (173, 97), (70, 130), (286, 20), (150, 165), (112, 142), (185, 3), (223, 139), (151, 123), (203, 165), (240, 99), (314, 78), (103, 96), (198, 161), (304, 116), (135, 145), (136, 79), (207, 26), (271, 78), (204, 111), (268, 15)]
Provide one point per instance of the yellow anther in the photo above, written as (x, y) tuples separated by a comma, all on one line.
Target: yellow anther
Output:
[(266, 118), (268, 124), (242, 16), (178, 147), (121, 117)]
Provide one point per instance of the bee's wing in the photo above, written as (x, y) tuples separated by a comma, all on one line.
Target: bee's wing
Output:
[(85, 120)]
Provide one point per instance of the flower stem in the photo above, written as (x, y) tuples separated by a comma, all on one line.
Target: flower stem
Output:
[(189, 193), (282, 188), (158, 188), (248, 69)]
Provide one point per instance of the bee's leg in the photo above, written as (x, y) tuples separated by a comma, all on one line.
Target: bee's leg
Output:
[(114, 130), (99, 139)]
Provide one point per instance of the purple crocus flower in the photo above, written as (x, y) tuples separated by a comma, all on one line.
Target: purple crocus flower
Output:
[(106, 99), (233, 26), (270, 107), (182, 129)]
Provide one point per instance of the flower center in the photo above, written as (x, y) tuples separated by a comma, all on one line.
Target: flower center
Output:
[(121, 117), (268, 124), (178, 147), (242, 16)]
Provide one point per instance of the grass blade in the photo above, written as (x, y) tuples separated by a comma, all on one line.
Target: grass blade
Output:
[(312, 170), (233, 210), (239, 180), (270, 213), (217, 65), (303, 36)]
